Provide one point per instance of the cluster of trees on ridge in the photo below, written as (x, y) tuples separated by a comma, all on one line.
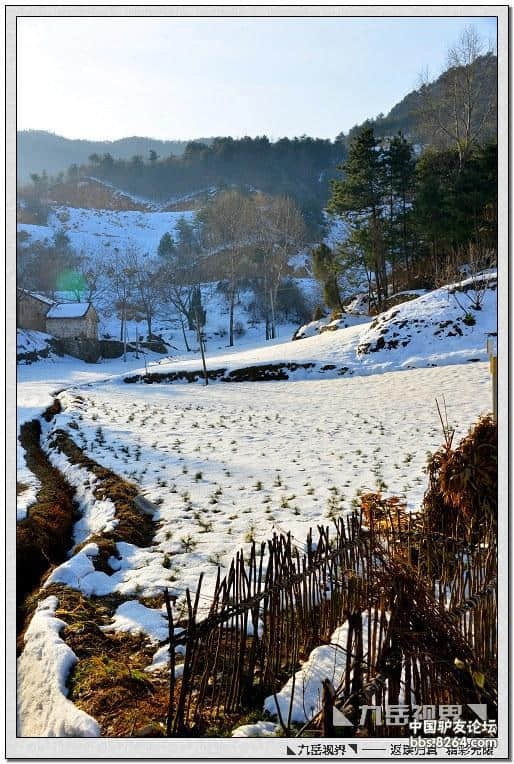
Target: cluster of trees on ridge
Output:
[(299, 167), (244, 241), (409, 214), (412, 217), (295, 167)]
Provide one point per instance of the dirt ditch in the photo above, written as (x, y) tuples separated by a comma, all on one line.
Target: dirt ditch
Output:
[(45, 536), (109, 680), (259, 373)]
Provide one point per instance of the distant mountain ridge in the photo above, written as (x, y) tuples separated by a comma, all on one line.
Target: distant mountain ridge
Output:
[(39, 150), (298, 167)]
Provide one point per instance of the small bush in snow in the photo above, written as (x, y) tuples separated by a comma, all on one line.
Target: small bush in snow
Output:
[(188, 543)]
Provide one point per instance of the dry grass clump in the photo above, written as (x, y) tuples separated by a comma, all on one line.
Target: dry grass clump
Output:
[(387, 518), (384, 513), (461, 501), (427, 635), (113, 687)]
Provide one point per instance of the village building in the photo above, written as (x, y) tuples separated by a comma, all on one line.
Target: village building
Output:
[(72, 320), (31, 310)]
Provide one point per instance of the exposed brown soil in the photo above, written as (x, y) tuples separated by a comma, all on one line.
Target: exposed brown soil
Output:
[(261, 373), (108, 681), (133, 526), (45, 535)]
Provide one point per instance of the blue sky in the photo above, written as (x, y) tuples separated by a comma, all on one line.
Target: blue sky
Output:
[(185, 78)]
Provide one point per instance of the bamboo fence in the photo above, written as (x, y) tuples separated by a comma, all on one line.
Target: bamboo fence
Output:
[(428, 605)]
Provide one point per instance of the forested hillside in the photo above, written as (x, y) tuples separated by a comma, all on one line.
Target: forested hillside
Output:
[(409, 115)]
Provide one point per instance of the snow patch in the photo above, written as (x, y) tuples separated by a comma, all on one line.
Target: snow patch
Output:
[(43, 667), (68, 310), (324, 662), (134, 618), (259, 729)]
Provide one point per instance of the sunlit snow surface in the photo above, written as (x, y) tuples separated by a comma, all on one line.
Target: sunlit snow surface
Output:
[(229, 463), (102, 232)]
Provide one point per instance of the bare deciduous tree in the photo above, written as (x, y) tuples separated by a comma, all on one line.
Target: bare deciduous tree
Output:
[(456, 111), (228, 230), (121, 276), (178, 272), (281, 234), (146, 283)]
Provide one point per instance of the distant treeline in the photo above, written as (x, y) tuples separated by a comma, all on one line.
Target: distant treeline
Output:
[(299, 167), (40, 151)]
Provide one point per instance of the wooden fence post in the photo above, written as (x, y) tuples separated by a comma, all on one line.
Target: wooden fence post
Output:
[(492, 352), (171, 631), (327, 701)]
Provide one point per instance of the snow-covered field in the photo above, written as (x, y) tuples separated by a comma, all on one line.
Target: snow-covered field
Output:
[(227, 464)]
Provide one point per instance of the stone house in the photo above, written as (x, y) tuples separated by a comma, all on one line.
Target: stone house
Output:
[(72, 320), (31, 310)]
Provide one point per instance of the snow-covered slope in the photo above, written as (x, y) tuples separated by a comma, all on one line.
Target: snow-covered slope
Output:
[(100, 232), (431, 330), (436, 325)]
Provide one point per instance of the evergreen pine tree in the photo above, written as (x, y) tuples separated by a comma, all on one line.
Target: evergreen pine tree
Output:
[(359, 198), (325, 269), (197, 313), (400, 169), (166, 248)]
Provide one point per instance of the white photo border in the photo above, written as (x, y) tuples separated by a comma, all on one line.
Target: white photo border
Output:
[(245, 748)]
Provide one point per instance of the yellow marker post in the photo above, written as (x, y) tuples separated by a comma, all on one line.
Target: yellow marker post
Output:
[(493, 369)]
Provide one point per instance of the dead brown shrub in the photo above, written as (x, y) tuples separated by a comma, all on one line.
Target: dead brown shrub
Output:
[(461, 501)]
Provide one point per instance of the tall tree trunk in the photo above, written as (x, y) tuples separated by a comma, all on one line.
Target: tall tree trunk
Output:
[(404, 232), (384, 275), (122, 322), (125, 341), (188, 349), (202, 351), (231, 319), (378, 282), (272, 306)]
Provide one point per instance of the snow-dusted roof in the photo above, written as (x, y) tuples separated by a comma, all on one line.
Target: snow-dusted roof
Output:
[(69, 310), (40, 297)]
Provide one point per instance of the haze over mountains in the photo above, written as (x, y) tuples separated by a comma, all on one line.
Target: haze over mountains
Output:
[(39, 150)]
